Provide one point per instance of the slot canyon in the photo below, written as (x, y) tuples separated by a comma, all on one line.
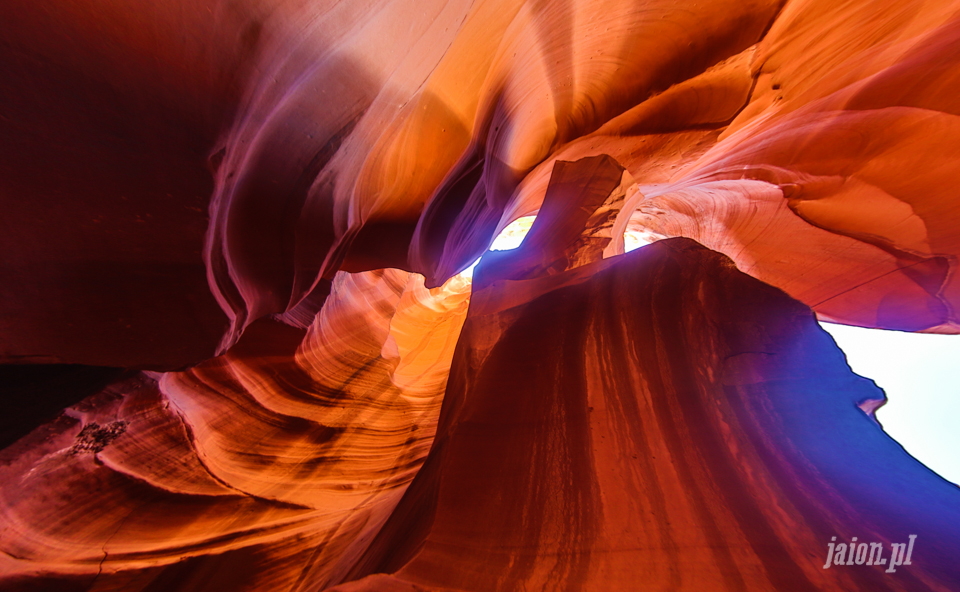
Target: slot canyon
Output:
[(257, 332)]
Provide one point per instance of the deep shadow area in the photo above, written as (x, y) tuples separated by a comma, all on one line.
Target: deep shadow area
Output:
[(35, 394)]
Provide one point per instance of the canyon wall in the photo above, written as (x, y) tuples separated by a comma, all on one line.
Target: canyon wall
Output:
[(233, 234)]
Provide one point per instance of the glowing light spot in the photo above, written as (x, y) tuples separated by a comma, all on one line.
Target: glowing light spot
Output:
[(513, 234), (509, 238), (468, 272), (634, 239)]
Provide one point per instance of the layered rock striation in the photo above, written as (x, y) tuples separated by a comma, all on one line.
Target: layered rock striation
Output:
[(233, 233)]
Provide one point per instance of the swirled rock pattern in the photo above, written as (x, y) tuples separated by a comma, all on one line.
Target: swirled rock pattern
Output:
[(269, 467), (248, 217), (702, 433)]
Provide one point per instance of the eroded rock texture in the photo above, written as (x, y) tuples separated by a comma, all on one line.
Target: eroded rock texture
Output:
[(672, 422), (247, 217), (271, 466)]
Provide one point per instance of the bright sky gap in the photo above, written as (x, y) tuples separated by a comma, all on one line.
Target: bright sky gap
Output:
[(917, 372)]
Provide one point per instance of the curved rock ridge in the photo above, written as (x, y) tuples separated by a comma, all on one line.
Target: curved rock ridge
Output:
[(434, 126), (700, 433), (250, 151), (250, 215), (269, 467)]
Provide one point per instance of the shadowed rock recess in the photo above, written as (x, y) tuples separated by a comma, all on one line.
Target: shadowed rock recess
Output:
[(237, 353)]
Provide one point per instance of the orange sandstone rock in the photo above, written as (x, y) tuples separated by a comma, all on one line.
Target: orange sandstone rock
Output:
[(251, 215)]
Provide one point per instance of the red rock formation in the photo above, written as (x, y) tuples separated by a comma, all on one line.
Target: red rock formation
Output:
[(263, 205), (271, 466), (658, 418)]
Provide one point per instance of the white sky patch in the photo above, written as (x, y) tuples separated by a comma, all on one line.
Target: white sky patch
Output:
[(633, 240), (468, 272), (513, 234), (920, 372), (509, 238)]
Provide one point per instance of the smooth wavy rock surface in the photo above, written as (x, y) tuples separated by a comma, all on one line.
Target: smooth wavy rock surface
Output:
[(259, 147), (249, 218), (673, 424), (269, 467)]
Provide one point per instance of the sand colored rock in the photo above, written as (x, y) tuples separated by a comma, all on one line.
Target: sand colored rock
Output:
[(269, 467), (248, 218)]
